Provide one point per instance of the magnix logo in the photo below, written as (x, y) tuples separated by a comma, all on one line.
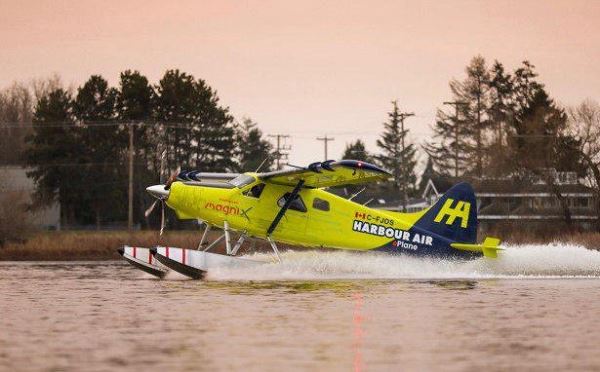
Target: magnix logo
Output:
[(460, 210)]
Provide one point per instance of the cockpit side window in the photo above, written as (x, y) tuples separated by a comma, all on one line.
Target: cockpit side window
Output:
[(297, 203), (242, 180), (320, 204), (255, 191)]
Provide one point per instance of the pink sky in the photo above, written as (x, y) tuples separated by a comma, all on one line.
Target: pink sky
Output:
[(308, 68)]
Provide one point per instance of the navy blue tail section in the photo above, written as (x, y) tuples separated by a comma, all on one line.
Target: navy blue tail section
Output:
[(454, 216)]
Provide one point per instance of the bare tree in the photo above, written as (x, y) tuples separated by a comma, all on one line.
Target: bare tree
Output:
[(14, 222), (42, 86), (584, 122), (16, 105)]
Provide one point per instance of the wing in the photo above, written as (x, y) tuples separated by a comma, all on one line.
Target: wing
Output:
[(327, 174)]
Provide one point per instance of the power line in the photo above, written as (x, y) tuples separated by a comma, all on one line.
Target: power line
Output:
[(67, 124), (74, 164)]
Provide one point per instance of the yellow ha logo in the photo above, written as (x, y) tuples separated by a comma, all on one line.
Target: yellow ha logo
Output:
[(460, 210)]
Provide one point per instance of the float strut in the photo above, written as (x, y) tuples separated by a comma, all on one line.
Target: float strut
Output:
[(227, 237), (274, 246), (238, 245), (204, 235), (214, 243)]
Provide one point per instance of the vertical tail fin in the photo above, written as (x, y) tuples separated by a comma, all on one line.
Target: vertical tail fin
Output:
[(453, 216)]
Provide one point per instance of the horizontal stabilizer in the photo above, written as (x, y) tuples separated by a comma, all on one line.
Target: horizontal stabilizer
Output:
[(489, 247)]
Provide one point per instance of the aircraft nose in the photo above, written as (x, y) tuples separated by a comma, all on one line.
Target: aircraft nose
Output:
[(158, 191)]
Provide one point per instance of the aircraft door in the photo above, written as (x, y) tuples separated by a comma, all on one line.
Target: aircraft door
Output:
[(293, 224), (322, 225)]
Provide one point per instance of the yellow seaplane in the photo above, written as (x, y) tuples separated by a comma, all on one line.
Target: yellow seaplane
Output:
[(293, 206)]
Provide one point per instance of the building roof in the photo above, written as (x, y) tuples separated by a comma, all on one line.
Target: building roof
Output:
[(510, 187)]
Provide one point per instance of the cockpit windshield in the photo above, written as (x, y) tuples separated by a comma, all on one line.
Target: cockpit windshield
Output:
[(242, 180)]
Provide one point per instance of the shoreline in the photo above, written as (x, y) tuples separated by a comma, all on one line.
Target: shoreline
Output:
[(102, 245)]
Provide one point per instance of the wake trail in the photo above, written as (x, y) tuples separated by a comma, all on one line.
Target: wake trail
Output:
[(557, 260)]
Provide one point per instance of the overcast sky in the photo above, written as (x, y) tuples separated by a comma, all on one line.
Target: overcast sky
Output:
[(308, 68)]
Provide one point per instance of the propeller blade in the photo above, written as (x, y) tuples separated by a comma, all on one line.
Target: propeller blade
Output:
[(173, 178), (162, 217), (163, 165), (149, 210)]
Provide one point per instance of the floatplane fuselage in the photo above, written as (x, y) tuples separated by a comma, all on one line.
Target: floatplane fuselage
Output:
[(294, 207)]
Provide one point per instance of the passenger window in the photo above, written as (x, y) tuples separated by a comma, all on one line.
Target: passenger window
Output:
[(321, 204), (255, 190), (296, 205)]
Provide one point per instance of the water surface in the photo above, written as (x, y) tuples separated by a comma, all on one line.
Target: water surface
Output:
[(537, 308)]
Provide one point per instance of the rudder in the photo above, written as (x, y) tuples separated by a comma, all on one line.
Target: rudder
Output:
[(453, 216)]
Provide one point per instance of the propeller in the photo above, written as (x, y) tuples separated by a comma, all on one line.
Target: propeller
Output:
[(162, 213), (160, 192)]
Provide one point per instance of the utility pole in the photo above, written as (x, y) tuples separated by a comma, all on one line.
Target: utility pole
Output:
[(456, 104), (279, 153), (404, 115), (130, 192), (325, 140)]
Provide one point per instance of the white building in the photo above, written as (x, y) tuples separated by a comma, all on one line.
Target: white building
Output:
[(15, 186)]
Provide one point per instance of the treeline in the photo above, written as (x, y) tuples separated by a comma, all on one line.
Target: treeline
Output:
[(506, 125), (498, 124), (502, 123), (78, 143), (76, 140)]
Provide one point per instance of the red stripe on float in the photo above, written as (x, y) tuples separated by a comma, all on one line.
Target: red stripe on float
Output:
[(134, 252), (183, 256), (149, 257), (167, 251)]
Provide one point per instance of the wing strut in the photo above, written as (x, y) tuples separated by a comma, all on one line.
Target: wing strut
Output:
[(285, 207)]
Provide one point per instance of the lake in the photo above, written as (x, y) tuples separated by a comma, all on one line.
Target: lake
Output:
[(537, 308)]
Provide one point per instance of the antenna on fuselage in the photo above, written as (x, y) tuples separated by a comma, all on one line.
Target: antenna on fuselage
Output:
[(356, 193), (263, 163), (380, 201)]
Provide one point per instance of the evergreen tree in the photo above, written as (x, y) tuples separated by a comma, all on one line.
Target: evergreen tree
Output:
[(460, 136), (214, 133), (525, 87), (501, 113), (53, 155), (450, 149), (473, 91), (134, 99), (398, 155), (357, 151), (253, 149), (537, 130), (104, 146), (134, 106), (542, 144), (198, 131), (428, 174), (175, 108)]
